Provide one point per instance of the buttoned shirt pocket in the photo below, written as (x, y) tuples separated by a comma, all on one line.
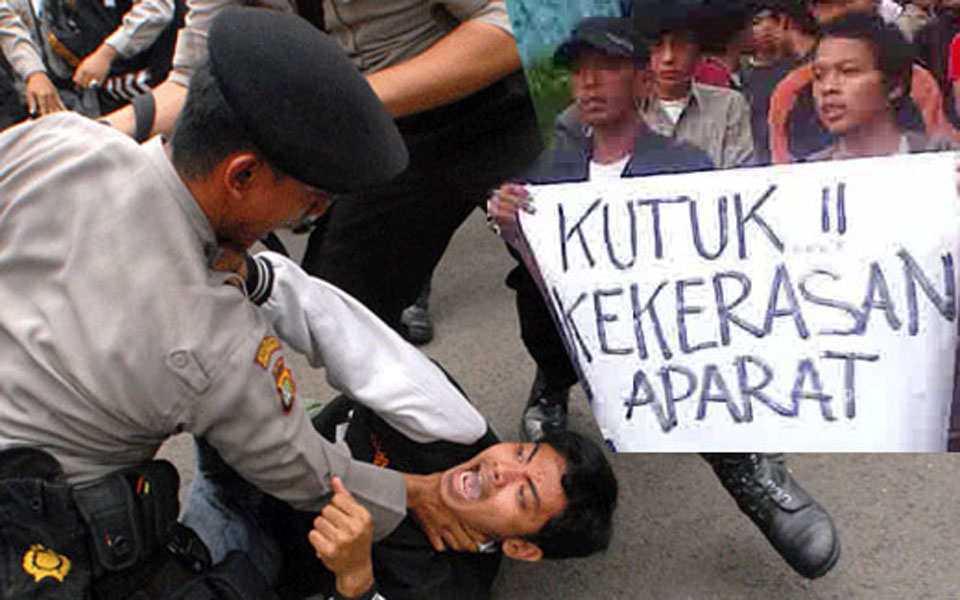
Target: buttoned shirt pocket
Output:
[(186, 366)]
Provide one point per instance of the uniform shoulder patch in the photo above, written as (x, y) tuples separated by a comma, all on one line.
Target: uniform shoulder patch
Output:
[(268, 346), (42, 562), (285, 386)]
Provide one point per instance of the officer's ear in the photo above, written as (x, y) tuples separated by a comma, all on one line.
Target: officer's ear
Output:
[(521, 549), (239, 170)]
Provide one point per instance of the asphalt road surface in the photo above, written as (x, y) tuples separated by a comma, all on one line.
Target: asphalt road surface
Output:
[(677, 533)]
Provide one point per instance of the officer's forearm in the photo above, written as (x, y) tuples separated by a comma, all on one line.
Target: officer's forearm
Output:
[(468, 59), (169, 97)]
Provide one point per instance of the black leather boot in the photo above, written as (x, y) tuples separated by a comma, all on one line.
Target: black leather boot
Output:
[(796, 525), (416, 320), (546, 409)]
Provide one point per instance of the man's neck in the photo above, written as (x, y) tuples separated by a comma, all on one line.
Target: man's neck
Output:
[(764, 57), (673, 95), (802, 46), (201, 189), (880, 139), (613, 141)]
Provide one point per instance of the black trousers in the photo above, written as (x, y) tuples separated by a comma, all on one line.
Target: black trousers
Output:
[(12, 110), (538, 330), (382, 246)]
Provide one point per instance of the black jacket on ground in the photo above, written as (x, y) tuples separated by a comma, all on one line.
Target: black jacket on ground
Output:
[(405, 565)]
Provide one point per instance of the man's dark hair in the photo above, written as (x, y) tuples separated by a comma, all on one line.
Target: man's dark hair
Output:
[(719, 22), (207, 130), (892, 54), (655, 18), (799, 12), (585, 526)]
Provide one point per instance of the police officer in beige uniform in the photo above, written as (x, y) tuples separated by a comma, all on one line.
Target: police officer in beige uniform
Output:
[(22, 40), (115, 333)]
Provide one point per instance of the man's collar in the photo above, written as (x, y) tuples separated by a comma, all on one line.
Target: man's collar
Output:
[(157, 154), (696, 91), (652, 102)]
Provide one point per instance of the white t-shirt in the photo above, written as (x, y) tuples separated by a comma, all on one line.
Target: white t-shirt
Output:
[(889, 10), (614, 170), (674, 108)]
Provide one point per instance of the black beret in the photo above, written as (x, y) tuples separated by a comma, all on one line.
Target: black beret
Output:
[(303, 102)]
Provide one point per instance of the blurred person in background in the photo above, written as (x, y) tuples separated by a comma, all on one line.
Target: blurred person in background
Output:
[(724, 37), (915, 16), (933, 49), (761, 70)]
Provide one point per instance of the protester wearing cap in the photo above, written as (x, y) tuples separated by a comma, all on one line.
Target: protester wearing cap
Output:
[(608, 64), (116, 333)]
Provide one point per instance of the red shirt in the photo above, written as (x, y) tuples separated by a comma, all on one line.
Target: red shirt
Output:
[(953, 61), (713, 72)]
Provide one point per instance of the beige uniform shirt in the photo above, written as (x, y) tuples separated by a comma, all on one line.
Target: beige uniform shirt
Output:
[(374, 33), (114, 334)]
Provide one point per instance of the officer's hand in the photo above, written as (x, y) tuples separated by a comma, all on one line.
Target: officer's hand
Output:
[(42, 96), (442, 527), (504, 205), (342, 536), (92, 71)]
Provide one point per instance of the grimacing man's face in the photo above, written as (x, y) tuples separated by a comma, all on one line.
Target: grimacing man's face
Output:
[(507, 491)]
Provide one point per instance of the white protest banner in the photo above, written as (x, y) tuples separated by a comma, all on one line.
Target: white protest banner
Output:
[(793, 308)]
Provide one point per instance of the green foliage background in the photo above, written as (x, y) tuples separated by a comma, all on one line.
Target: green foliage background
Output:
[(550, 90), (538, 26)]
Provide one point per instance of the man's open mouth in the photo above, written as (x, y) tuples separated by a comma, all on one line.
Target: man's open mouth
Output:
[(832, 112), (471, 483)]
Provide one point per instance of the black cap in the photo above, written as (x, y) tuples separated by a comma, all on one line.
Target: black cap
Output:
[(609, 35), (302, 101)]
